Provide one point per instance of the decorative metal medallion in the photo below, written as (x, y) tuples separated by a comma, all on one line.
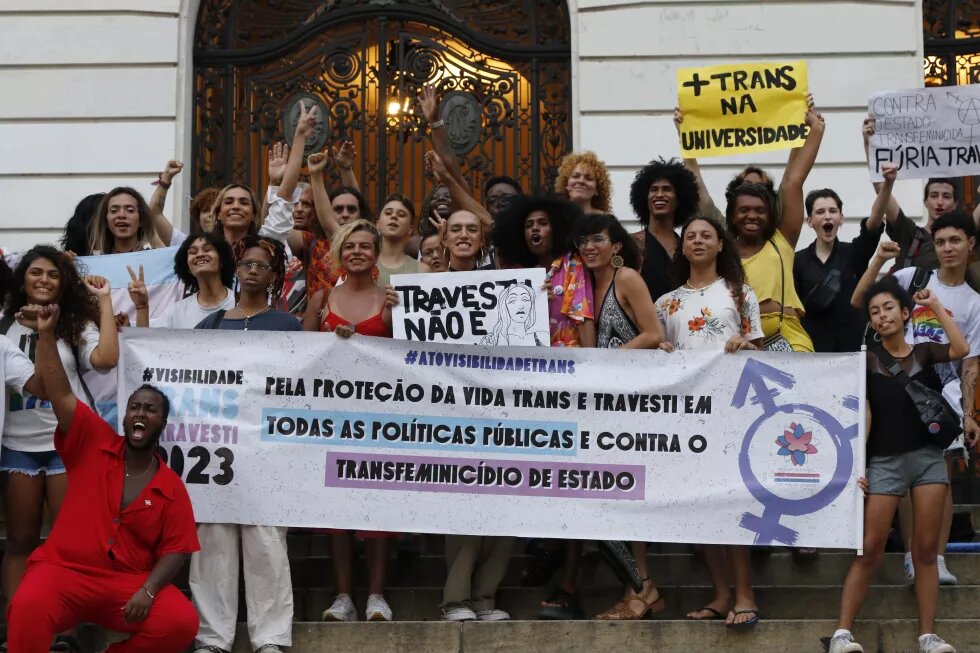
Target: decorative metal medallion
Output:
[(290, 116), (462, 114)]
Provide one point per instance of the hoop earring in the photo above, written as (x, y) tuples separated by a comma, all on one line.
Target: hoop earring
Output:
[(617, 261), (876, 337)]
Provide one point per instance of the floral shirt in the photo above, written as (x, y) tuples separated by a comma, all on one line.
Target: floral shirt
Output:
[(706, 318), (569, 299)]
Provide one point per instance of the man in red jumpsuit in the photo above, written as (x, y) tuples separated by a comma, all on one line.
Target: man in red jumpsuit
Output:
[(125, 528)]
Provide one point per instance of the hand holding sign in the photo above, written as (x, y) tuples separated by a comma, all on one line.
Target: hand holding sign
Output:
[(733, 109)]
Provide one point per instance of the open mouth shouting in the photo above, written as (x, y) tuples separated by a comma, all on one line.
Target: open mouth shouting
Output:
[(139, 430)]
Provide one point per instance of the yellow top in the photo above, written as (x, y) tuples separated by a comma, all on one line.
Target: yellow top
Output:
[(762, 272)]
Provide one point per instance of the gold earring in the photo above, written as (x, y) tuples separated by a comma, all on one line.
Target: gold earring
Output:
[(617, 261)]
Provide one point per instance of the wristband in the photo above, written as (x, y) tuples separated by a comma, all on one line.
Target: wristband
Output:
[(160, 182), (437, 124), (152, 596)]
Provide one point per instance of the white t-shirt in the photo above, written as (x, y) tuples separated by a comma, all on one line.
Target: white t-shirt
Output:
[(963, 305), (30, 421), (188, 312), (707, 318), (16, 370)]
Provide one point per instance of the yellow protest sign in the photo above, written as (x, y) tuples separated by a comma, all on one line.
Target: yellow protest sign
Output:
[(738, 108)]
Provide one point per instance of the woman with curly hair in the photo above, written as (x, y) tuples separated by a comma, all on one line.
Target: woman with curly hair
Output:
[(122, 223), (33, 473), (664, 195), (713, 308), (583, 179)]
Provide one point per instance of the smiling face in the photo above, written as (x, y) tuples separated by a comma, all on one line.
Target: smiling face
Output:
[(346, 208), (255, 271), (886, 314), (395, 221), (433, 254), (202, 258), (597, 250), (940, 199), (42, 282), (581, 186), (953, 247), (441, 202), (701, 244), (662, 200), (464, 235), (304, 213), (236, 210), (751, 217), (537, 233), (518, 305), (358, 253), (144, 420), (826, 219), (123, 216)]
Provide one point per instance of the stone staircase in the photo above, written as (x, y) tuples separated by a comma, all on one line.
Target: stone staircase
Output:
[(798, 602)]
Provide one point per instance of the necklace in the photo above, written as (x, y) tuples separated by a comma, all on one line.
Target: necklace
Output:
[(128, 475), (249, 317), (701, 289)]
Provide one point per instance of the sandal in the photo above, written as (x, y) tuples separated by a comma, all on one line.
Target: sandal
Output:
[(744, 625), (67, 644), (712, 617), (561, 606), (624, 610)]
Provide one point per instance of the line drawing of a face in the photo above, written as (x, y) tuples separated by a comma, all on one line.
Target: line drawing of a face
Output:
[(519, 305)]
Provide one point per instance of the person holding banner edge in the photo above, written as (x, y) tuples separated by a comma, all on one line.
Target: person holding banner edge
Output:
[(903, 455), (95, 565)]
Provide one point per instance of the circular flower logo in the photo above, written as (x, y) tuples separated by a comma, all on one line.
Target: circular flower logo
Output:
[(795, 443)]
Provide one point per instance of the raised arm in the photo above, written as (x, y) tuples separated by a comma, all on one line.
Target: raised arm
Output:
[(886, 251), (139, 296), (958, 346), (884, 198), (706, 205), (321, 198), (161, 224), (56, 385), (106, 355), (294, 161), (344, 156), (429, 103), (891, 208), (461, 197), (797, 170)]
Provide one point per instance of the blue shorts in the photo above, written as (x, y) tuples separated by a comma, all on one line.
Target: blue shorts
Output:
[(31, 463)]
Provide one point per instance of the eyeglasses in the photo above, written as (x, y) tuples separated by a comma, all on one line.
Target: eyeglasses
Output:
[(500, 201), (254, 265), (595, 239)]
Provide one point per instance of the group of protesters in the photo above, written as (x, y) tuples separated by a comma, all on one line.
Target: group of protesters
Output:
[(305, 257)]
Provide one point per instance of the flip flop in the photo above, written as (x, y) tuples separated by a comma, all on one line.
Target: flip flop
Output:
[(745, 625), (714, 614)]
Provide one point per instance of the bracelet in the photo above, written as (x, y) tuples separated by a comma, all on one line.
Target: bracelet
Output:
[(152, 596), (163, 184), (437, 124)]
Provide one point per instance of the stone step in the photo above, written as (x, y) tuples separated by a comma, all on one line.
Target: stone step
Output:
[(884, 602), (663, 636)]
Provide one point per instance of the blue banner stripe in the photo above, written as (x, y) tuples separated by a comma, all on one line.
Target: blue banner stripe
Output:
[(158, 266)]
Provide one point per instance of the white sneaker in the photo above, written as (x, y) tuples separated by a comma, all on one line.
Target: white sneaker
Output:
[(492, 615), (909, 569), (377, 609), (457, 612), (342, 610), (945, 578), (934, 644), (844, 643)]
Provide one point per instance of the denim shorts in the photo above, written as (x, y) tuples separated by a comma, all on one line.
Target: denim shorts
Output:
[(31, 463), (895, 475)]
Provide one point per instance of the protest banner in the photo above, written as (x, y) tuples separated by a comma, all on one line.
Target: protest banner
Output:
[(489, 307), (927, 132), (381, 434), (739, 108)]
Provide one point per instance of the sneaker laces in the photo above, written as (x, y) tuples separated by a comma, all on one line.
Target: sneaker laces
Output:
[(931, 641)]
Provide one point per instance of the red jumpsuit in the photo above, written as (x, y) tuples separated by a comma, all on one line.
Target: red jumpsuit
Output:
[(98, 556)]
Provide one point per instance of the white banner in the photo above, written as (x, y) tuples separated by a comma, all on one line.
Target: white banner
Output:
[(488, 307), (308, 430), (927, 132)]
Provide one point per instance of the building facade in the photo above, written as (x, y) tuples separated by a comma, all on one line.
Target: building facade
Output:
[(100, 93)]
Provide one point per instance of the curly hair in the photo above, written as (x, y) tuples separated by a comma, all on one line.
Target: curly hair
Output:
[(78, 306), (226, 260), (362, 205), (101, 238), (888, 285), (6, 279), (76, 235), (728, 264), (739, 179), (593, 223), (203, 201), (501, 179), (603, 185), (683, 180), (342, 234), (277, 252), (508, 231), (751, 190)]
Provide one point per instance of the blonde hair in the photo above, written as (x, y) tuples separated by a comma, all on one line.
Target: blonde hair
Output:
[(603, 185), (100, 236), (485, 227), (219, 200), (341, 235)]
